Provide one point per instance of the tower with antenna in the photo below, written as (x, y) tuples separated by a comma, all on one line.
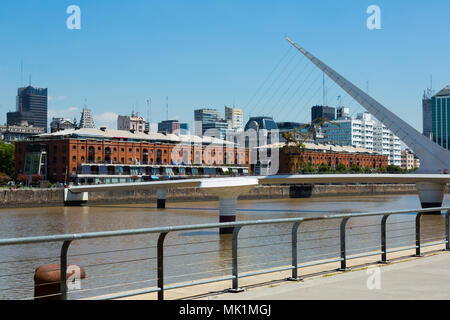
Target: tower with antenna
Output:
[(427, 111)]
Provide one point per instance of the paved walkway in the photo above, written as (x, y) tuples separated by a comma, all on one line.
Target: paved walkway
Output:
[(419, 278)]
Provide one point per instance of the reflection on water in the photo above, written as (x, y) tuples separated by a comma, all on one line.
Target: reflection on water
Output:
[(111, 262)]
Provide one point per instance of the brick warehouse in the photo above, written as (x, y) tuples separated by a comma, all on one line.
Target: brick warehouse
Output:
[(331, 155), (61, 154)]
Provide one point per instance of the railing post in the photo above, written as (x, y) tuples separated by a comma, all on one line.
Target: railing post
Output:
[(234, 251), (295, 276), (447, 230), (383, 239), (160, 258), (63, 269), (342, 241), (418, 218)]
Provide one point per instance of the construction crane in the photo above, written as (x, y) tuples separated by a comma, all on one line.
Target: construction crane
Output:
[(294, 146)]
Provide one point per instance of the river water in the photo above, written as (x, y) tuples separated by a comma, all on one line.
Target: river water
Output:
[(124, 263)]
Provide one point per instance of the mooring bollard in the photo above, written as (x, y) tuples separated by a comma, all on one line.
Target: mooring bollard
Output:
[(47, 280)]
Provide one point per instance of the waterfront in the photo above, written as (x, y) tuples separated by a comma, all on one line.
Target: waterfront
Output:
[(213, 256)]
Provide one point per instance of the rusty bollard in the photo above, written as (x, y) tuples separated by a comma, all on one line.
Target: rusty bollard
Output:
[(47, 280)]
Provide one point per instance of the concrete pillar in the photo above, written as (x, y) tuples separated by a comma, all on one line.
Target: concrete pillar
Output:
[(161, 198), (431, 194), (227, 212), (75, 199), (228, 190)]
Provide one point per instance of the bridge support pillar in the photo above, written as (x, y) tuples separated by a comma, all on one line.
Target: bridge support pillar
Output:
[(227, 212), (161, 198), (431, 194), (72, 199), (228, 190)]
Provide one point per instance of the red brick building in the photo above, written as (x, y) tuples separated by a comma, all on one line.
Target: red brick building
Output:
[(62, 154), (332, 159)]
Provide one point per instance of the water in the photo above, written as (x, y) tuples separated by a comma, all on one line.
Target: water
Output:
[(195, 254)]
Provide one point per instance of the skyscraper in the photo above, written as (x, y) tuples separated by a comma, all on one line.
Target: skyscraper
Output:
[(33, 100), (440, 105), (86, 120), (427, 122), (324, 112), (207, 119)]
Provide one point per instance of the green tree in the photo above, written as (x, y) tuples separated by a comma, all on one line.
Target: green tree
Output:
[(7, 158), (355, 168), (382, 170), (309, 168), (393, 169), (323, 168), (341, 168)]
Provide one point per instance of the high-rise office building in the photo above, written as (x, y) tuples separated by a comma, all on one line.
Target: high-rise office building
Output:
[(324, 112), (33, 101), (427, 112), (342, 113), (235, 118), (440, 105), (206, 115), (86, 120), (209, 120), (169, 126)]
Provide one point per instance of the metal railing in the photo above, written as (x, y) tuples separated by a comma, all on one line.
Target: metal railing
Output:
[(292, 224)]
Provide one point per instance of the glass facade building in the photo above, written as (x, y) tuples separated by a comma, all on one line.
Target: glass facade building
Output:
[(324, 112), (33, 100), (441, 117)]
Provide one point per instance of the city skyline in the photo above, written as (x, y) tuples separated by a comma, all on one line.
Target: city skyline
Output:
[(115, 66)]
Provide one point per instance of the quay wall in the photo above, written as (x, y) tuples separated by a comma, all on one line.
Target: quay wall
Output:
[(54, 197)]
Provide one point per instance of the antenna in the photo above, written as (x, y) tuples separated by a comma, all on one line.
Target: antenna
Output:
[(149, 101), (30, 79), (167, 108), (21, 72)]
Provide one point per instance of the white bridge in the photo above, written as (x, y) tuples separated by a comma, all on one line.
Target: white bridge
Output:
[(431, 187), (431, 179)]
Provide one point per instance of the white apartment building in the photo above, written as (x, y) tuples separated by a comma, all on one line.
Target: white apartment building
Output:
[(363, 131), (386, 143), (345, 131)]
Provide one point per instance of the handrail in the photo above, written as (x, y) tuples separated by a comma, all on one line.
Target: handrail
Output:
[(129, 232), (163, 231)]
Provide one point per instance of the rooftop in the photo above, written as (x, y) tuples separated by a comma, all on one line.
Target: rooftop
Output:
[(94, 133), (323, 147), (444, 92)]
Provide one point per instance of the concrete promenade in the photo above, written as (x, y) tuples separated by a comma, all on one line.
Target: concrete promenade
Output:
[(422, 278), (405, 277)]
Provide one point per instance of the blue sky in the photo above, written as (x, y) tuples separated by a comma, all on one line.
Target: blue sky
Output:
[(217, 53)]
